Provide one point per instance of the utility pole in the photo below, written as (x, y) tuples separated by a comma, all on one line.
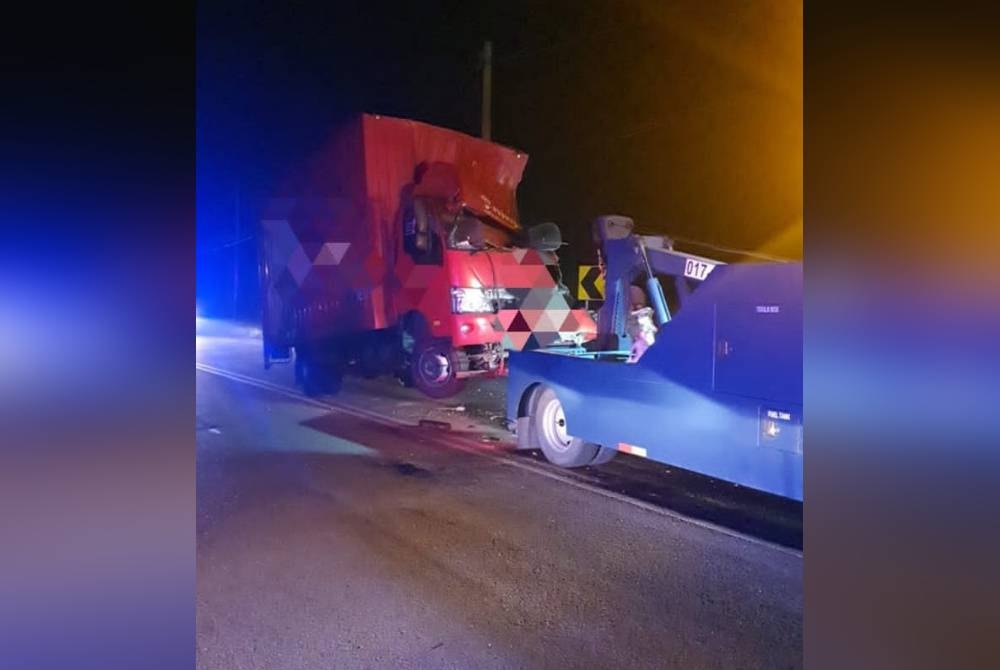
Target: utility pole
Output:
[(487, 89)]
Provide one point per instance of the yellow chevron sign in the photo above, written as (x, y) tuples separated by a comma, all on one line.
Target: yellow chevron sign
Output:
[(591, 284)]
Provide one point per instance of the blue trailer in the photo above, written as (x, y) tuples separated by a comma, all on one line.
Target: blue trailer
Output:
[(718, 392)]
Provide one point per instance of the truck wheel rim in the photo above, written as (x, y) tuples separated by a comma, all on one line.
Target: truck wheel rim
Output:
[(434, 367), (554, 426)]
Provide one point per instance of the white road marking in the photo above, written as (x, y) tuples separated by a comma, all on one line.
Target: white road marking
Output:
[(454, 441)]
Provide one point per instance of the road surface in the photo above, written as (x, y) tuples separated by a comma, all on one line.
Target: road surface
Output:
[(337, 534)]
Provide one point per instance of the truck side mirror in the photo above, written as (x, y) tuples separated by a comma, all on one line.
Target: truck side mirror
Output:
[(420, 240), (422, 232), (545, 237)]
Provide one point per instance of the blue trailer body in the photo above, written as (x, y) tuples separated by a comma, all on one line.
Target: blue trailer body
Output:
[(719, 392)]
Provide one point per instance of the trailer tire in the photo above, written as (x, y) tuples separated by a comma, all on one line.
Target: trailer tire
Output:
[(433, 369), (559, 447)]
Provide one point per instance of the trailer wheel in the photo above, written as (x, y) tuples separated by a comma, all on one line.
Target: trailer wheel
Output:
[(433, 369), (559, 447)]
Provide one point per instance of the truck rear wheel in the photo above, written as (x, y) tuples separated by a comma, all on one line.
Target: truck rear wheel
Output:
[(559, 446), (315, 377), (433, 369)]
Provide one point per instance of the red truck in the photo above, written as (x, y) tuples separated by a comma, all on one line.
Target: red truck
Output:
[(398, 250)]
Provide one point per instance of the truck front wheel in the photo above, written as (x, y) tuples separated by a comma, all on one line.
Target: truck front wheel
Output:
[(433, 369), (557, 444)]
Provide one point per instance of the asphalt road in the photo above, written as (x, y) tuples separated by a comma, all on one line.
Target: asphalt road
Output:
[(329, 539)]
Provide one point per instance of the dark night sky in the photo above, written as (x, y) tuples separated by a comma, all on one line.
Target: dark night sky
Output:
[(686, 116)]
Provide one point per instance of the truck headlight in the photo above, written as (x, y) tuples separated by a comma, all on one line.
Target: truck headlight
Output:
[(472, 301)]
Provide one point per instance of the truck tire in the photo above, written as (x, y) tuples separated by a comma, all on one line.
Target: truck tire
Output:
[(604, 454), (559, 447), (433, 369), (315, 377), (308, 375)]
